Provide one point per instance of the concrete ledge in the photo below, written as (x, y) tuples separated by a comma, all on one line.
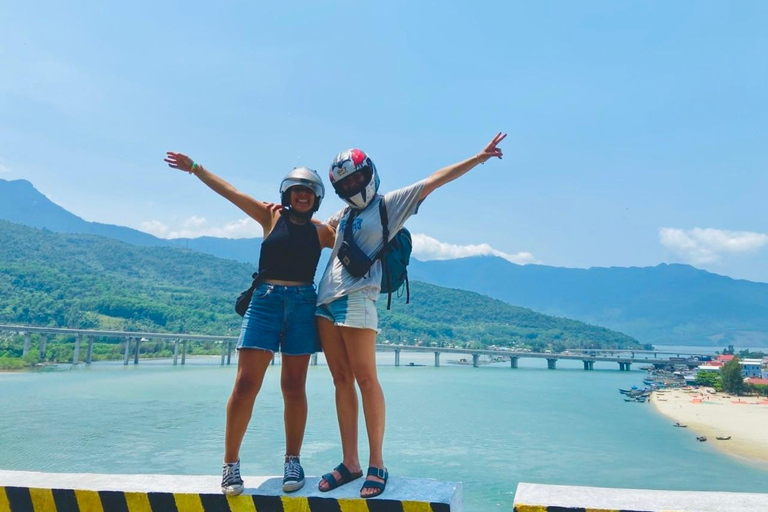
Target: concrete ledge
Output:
[(22, 491), (560, 498)]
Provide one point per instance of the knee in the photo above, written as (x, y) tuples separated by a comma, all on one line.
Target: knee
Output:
[(368, 382), (245, 387), (293, 388), (343, 379)]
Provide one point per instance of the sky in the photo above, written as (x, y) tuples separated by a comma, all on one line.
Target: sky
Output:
[(637, 129)]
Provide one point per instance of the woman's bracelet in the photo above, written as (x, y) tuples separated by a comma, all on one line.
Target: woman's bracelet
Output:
[(192, 167), (479, 159)]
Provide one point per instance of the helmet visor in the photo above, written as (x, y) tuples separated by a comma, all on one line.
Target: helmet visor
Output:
[(353, 183)]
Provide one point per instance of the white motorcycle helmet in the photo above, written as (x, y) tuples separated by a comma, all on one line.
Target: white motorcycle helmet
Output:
[(305, 177), (350, 162)]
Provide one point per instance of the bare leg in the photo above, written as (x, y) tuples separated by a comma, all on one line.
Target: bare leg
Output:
[(292, 381), (361, 351), (252, 364), (346, 395)]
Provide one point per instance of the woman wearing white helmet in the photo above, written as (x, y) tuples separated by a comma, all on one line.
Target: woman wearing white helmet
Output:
[(280, 315), (347, 318)]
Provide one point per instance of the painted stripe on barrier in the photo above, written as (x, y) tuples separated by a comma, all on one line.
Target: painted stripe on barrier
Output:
[(5, 505), (317, 504), (350, 505), (241, 504), (42, 500), (214, 502), (113, 501), (88, 501), (188, 503), (267, 503), (416, 506), (295, 504), (65, 500), (19, 499), (138, 502), (164, 501)]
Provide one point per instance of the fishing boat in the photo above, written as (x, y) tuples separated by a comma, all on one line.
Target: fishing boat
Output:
[(678, 424), (723, 438), (701, 438)]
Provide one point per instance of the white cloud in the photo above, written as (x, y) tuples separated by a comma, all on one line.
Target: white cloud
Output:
[(426, 248), (195, 226), (701, 246), (3, 168)]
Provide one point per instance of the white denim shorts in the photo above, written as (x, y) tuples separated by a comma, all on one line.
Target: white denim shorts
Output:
[(353, 310)]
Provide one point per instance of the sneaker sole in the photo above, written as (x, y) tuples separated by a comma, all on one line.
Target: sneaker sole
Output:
[(293, 486), (233, 490)]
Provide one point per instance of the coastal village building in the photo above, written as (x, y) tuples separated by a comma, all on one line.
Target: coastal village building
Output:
[(752, 368)]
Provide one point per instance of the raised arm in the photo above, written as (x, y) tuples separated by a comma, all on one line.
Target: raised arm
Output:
[(255, 209), (450, 173)]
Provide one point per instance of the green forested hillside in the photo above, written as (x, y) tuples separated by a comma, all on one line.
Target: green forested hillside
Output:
[(83, 281)]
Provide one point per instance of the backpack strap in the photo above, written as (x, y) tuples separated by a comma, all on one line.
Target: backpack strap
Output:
[(385, 247)]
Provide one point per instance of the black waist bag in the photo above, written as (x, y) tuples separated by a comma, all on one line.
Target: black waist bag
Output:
[(351, 256), (244, 299)]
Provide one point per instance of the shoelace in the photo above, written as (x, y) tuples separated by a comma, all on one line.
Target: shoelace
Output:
[(232, 474), (293, 469)]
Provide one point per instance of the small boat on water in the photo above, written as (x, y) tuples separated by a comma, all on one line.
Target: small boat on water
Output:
[(701, 438), (678, 424), (723, 438)]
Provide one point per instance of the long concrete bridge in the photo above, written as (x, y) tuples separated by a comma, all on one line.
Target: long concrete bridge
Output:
[(84, 338)]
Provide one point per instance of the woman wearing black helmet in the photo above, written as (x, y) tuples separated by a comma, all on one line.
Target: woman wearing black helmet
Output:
[(347, 319), (281, 313)]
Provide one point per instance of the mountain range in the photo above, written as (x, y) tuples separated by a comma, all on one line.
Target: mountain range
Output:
[(670, 304)]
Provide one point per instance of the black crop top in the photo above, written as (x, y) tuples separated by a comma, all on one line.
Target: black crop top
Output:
[(290, 252)]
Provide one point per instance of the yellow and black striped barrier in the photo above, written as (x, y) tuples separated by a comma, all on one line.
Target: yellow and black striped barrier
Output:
[(25, 499), (22, 491), (563, 498)]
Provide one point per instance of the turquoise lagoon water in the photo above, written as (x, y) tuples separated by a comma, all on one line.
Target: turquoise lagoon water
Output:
[(489, 427)]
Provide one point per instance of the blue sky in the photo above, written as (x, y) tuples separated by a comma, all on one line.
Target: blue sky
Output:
[(637, 130)]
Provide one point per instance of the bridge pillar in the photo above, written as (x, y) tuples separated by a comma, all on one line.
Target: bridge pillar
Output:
[(76, 354), (184, 352), (229, 353), (551, 364), (437, 359), (27, 339), (223, 352), (513, 362), (175, 352), (626, 366), (43, 342), (397, 357), (89, 351), (127, 350), (138, 347), (586, 364), (313, 359), (475, 360)]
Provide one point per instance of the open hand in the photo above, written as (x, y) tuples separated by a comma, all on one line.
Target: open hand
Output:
[(179, 161), (491, 150)]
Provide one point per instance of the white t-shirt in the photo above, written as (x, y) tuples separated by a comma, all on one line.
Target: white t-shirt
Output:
[(366, 230)]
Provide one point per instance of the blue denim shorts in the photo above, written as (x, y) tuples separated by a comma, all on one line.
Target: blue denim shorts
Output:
[(281, 318)]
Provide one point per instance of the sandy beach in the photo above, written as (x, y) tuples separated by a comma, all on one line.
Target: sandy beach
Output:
[(745, 419)]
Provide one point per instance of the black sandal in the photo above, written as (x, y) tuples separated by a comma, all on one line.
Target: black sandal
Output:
[(373, 484), (345, 475)]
